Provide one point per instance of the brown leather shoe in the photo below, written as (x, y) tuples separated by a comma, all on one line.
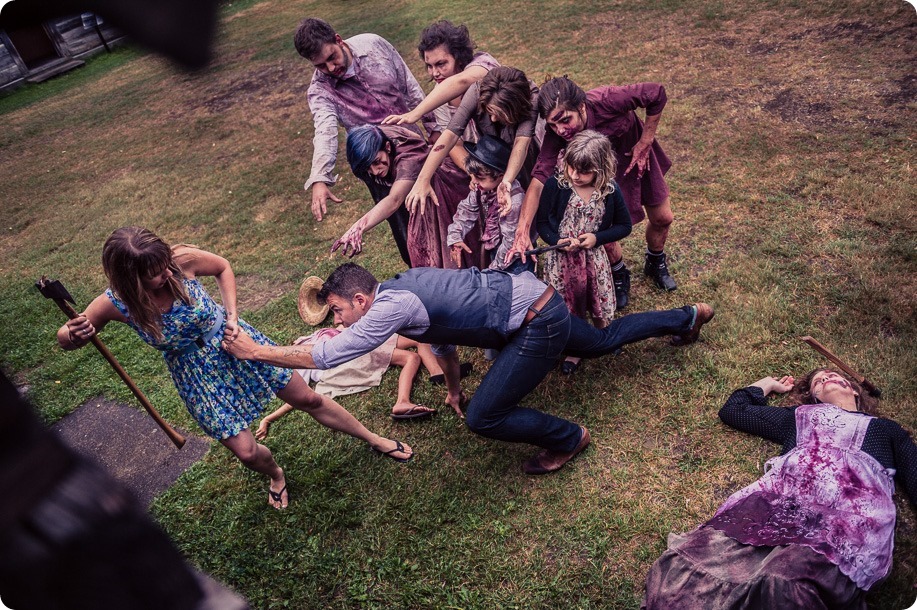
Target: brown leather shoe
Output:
[(704, 315), (548, 461)]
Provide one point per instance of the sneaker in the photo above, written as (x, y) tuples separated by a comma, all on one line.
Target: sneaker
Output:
[(622, 287), (656, 268)]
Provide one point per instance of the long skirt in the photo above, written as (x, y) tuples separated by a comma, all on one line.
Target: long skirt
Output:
[(427, 232), (708, 570)]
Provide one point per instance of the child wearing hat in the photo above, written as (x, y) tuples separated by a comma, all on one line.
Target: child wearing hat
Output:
[(486, 163)]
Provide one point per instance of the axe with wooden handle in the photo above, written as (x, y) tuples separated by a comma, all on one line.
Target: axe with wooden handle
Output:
[(55, 291), (824, 351)]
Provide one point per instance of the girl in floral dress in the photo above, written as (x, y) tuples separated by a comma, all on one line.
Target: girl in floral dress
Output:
[(583, 208), (154, 289)]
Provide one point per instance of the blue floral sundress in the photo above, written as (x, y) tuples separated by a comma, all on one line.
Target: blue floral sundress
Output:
[(223, 394)]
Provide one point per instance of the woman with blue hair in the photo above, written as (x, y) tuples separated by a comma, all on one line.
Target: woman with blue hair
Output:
[(388, 158)]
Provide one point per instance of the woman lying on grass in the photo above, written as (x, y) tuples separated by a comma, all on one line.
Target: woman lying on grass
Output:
[(816, 531), (154, 289)]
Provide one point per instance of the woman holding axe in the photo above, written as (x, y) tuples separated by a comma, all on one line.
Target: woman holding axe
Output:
[(154, 289)]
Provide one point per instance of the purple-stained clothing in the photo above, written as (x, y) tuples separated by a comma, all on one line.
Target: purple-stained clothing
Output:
[(381, 85), (582, 277), (426, 239), (444, 113), (814, 532), (497, 237), (825, 494), (533, 127), (610, 110)]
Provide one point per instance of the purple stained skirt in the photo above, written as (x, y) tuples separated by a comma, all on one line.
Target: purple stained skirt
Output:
[(707, 569)]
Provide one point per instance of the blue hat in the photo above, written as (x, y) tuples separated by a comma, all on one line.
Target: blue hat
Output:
[(492, 152)]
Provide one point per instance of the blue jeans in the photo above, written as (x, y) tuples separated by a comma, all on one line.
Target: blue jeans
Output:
[(530, 355)]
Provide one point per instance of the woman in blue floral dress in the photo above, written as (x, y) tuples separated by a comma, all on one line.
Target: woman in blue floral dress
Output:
[(154, 289)]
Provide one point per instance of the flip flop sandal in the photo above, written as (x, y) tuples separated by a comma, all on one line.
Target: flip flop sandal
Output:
[(414, 412), (277, 496), (399, 448)]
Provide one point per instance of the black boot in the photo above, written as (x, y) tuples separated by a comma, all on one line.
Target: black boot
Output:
[(622, 286), (657, 269)]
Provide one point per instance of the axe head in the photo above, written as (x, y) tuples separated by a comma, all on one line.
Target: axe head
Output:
[(53, 289)]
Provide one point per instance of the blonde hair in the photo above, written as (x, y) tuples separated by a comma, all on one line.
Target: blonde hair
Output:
[(590, 151), (132, 254)]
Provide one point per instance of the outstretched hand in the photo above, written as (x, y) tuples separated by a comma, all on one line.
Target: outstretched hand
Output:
[(455, 252), (400, 119), (418, 198), (320, 195), (504, 197), (352, 240), (521, 243)]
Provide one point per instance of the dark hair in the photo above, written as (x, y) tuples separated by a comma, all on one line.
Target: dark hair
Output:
[(312, 35), (476, 168), (455, 38), (562, 93), (346, 281), (363, 143), (130, 255), (802, 392), (506, 92)]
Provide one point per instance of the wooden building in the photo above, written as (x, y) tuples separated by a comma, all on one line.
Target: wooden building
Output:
[(36, 53)]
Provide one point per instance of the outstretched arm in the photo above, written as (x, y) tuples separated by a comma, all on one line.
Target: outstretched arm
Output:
[(523, 239), (352, 240), (513, 167), (261, 432), (449, 89), (423, 189), (324, 155), (747, 410)]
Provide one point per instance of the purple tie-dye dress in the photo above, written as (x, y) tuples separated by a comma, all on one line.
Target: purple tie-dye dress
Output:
[(826, 494)]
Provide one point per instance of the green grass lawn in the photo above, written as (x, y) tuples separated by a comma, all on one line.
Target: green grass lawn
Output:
[(791, 129)]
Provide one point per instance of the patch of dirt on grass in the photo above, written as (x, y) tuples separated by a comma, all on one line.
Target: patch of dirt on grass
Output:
[(269, 87), (790, 106), (255, 291), (906, 93)]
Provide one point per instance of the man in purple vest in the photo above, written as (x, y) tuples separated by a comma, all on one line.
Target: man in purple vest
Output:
[(517, 314)]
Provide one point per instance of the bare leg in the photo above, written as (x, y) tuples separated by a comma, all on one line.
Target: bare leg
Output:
[(614, 252), (258, 458), (332, 415), (659, 218), (425, 353), (410, 364), (455, 398)]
